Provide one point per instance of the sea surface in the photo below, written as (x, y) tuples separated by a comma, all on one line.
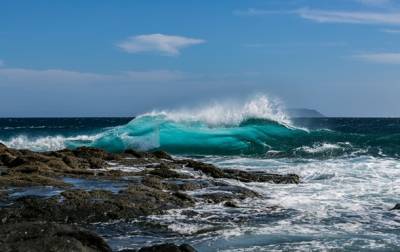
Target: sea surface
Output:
[(349, 168)]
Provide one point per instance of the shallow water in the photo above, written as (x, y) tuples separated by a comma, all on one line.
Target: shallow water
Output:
[(341, 204)]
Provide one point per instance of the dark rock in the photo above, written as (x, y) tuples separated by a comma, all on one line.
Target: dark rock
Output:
[(184, 185), (57, 165), (396, 207), (168, 247), (79, 206), (3, 196), (231, 204), (245, 176), (166, 173), (96, 163), (47, 236), (89, 152), (3, 148), (21, 180), (207, 169), (136, 154), (161, 155), (153, 182), (227, 193), (6, 158), (18, 161), (184, 197), (26, 168), (75, 163)]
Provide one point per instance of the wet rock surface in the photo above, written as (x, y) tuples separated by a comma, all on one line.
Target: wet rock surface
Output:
[(80, 206), (152, 183), (49, 236), (168, 247), (396, 207)]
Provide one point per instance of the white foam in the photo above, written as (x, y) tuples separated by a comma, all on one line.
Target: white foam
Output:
[(46, 143), (229, 113), (318, 148), (341, 203)]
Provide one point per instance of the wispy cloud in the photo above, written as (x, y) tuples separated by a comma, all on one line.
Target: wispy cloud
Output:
[(296, 44), (2, 63), (354, 17), (375, 2), (382, 58), (260, 12), (391, 31), (59, 76), (166, 44), (332, 16)]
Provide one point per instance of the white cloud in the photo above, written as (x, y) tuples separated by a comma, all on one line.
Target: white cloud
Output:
[(21, 74), (374, 2), (331, 16), (391, 31), (58, 76), (383, 58), (166, 44), (354, 17), (296, 44), (259, 12)]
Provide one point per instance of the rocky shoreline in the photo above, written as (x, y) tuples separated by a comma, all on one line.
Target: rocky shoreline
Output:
[(59, 218)]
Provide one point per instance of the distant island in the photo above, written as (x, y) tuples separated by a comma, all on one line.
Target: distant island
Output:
[(302, 112)]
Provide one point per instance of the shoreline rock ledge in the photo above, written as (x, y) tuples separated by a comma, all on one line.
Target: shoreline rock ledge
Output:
[(64, 217)]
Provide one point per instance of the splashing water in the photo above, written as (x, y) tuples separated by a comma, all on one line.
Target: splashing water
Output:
[(257, 127)]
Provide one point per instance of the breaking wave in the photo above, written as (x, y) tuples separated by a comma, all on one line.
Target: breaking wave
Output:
[(256, 127)]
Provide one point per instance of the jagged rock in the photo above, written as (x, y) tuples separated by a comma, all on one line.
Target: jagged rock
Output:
[(245, 176), (154, 182), (396, 207), (89, 152), (6, 159), (47, 236), (164, 171), (207, 169), (161, 155), (228, 193), (80, 206), (230, 204), (21, 180), (168, 247)]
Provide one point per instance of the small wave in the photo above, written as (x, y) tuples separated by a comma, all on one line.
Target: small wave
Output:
[(48, 142), (322, 147), (25, 127)]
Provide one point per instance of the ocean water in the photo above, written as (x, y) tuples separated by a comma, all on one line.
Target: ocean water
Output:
[(349, 168)]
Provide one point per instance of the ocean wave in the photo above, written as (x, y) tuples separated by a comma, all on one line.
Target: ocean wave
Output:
[(228, 113), (48, 142), (257, 127)]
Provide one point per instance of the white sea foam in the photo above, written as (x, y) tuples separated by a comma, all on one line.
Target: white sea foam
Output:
[(340, 204), (321, 147), (44, 143), (229, 113)]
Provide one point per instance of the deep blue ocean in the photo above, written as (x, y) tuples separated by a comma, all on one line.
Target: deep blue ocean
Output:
[(303, 138), (349, 168)]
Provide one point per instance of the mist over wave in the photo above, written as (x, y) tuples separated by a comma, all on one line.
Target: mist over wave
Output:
[(227, 113)]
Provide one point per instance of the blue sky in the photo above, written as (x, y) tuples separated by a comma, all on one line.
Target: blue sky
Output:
[(122, 58)]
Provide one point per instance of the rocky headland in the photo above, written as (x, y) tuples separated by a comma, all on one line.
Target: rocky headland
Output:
[(51, 201)]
